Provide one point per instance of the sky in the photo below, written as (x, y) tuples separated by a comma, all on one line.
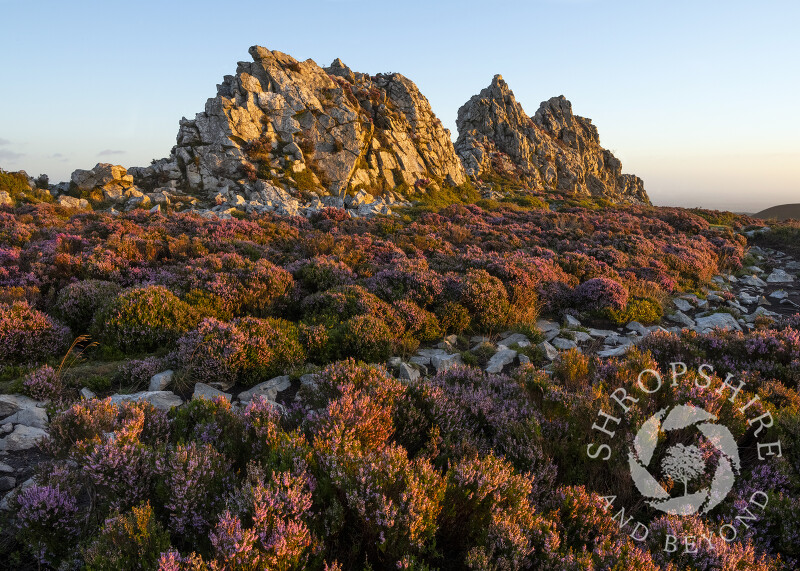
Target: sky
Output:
[(700, 99)]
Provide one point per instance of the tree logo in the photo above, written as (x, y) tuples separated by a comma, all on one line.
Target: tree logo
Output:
[(683, 464)]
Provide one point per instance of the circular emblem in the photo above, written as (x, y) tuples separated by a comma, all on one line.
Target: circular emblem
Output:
[(681, 463)]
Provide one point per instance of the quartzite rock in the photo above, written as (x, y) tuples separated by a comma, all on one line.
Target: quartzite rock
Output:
[(297, 125), (554, 149)]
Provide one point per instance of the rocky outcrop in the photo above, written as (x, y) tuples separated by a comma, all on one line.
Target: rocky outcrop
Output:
[(554, 149), (284, 126)]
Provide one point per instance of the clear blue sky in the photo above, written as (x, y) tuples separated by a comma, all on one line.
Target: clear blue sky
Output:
[(700, 99)]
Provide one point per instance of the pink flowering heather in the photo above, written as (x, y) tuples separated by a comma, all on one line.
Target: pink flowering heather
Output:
[(77, 303), (28, 335), (48, 517), (195, 477), (601, 294)]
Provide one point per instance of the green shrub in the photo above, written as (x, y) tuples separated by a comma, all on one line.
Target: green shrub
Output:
[(646, 311), (78, 302), (144, 319), (128, 541)]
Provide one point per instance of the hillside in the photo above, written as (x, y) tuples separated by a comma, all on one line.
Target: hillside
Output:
[(781, 212)]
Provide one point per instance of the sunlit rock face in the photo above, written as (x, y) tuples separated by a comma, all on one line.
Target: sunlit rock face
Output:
[(554, 149), (279, 123)]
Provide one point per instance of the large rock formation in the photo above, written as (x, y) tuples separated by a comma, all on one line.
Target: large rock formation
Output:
[(553, 150), (283, 126)]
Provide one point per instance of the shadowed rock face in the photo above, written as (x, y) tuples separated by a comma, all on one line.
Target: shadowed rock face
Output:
[(282, 122), (554, 149)]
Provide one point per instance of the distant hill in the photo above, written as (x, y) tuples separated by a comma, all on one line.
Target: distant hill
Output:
[(781, 212)]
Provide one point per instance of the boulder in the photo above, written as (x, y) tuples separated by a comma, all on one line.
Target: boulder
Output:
[(30, 416), (779, 276), (23, 438), (405, 372), (72, 202), (724, 321), (268, 389), (161, 381), (500, 359), (446, 361), (682, 304), (9, 404), (564, 344), (202, 390), (163, 400), (550, 352)]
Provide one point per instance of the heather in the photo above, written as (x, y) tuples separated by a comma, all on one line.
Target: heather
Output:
[(359, 466)]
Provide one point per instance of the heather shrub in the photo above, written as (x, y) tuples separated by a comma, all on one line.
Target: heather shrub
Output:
[(322, 273), (391, 503), (48, 522), (572, 368), (28, 335), (419, 323), (339, 304), (487, 519), (410, 280), (136, 373), (486, 299), (364, 337), (248, 350), (144, 319), (211, 422), (77, 303), (133, 540), (601, 294), (453, 317), (193, 479), (44, 384)]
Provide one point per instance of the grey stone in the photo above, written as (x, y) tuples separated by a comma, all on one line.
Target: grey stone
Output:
[(161, 381), (612, 352), (9, 404), (779, 294), (564, 344), (407, 373), (550, 352), (5, 468), (724, 321), (779, 276), (268, 389), (446, 362), (638, 328), (30, 416), (202, 390), (500, 359), (545, 325), (163, 400), (87, 394), (572, 321), (682, 318), (7, 483), (23, 438), (682, 304), (753, 281)]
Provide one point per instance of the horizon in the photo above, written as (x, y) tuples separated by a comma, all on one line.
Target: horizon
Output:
[(689, 106)]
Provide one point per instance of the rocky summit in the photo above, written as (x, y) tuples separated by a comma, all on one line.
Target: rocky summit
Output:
[(284, 126), (555, 149)]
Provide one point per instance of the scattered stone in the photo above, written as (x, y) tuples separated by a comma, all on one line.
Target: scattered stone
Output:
[(268, 389), (779, 294), (9, 404), (406, 372), (202, 390), (564, 344), (637, 327), (517, 338), (163, 400), (746, 298), (161, 381), (87, 394), (682, 318), (545, 325), (72, 202), (550, 352), (612, 351), (724, 321), (572, 321), (445, 362), (5, 468), (7, 483), (682, 304), (23, 438), (500, 359), (30, 416), (753, 281), (779, 276)]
